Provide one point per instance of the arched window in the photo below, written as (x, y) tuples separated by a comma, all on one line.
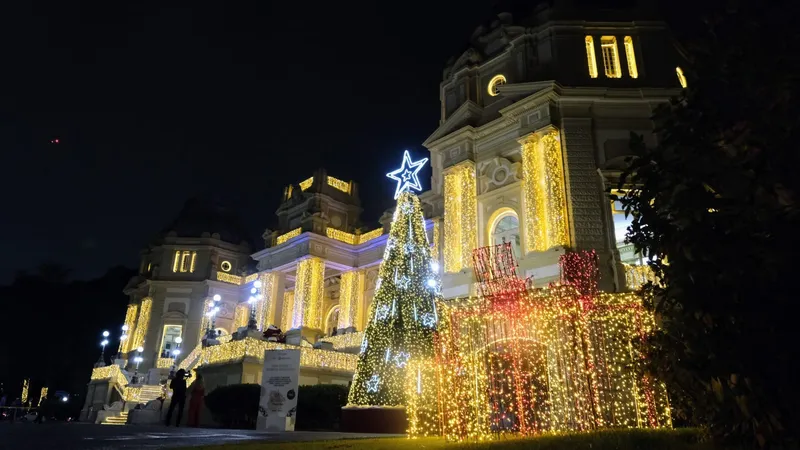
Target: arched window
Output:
[(504, 227), (497, 80), (332, 322)]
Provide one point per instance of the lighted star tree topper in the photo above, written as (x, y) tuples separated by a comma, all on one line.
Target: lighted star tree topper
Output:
[(406, 175), (403, 316)]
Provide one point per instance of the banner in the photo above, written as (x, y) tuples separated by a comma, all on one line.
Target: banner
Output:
[(279, 387)]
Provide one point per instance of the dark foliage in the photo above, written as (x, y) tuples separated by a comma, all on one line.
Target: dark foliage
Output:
[(235, 405), (320, 407), (58, 323), (716, 203)]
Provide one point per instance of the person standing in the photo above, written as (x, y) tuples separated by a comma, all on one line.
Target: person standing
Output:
[(198, 391), (43, 410), (178, 386)]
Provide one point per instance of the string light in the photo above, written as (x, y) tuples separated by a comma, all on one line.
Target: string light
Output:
[(130, 322), (351, 287), (561, 358), (308, 293), (236, 351), (288, 307), (637, 276), (305, 184), (265, 299), (226, 277), (240, 316), (286, 236), (344, 186), (142, 324), (460, 206), (544, 192), (345, 341), (25, 383), (42, 395), (397, 335)]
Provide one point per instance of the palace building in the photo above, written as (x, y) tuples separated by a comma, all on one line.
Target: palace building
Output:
[(536, 117)]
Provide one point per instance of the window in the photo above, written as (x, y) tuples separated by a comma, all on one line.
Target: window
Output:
[(171, 341), (590, 58), (184, 261), (225, 266), (630, 54), (621, 223), (681, 78), (608, 44), (504, 227), (497, 80)]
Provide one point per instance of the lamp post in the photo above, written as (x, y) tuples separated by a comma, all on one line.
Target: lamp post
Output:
[(103, 344), (138, 359), (211, 332), (177, 351), (255, 296), (122, 339)]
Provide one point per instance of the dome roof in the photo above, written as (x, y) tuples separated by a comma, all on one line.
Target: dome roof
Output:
[(206, 215)]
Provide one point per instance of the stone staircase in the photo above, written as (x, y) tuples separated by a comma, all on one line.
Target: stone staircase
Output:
[(150, 392), (121, 419), (146, 393)]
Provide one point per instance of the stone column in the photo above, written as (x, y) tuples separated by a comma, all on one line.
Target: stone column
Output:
[(308, 296), (546, 222), (460, 216), (272, 288), (351, 297)]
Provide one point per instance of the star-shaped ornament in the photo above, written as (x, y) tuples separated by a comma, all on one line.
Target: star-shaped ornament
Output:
[(406, 175), (401, 359), (373, 383)]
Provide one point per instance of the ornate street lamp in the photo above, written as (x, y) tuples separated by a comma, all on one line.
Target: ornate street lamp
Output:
[(122, 339), (103, 344), (211, 332), (255, 296)]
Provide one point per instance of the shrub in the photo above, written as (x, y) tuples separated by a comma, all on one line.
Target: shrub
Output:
[(235, 405), (320, 407)]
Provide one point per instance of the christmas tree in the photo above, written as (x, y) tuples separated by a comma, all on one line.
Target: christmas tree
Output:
[(403, 315)]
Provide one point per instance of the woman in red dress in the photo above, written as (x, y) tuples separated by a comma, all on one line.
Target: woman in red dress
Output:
[(197, 391)]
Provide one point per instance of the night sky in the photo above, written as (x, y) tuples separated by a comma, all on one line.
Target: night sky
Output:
[(152, 105)]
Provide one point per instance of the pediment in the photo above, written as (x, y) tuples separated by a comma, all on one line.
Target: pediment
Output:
[(462, 117)]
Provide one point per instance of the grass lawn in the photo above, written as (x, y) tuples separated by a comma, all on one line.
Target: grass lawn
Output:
[(685, 439)]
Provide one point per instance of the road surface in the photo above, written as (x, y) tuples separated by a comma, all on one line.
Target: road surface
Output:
[(68, 436)]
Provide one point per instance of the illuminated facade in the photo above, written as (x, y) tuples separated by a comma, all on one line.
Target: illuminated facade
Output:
[(535, 125)]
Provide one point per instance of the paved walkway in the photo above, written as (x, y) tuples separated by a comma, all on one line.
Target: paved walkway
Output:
[(68, 436)]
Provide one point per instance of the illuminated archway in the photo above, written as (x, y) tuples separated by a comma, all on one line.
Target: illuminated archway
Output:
[(504, 226), (332, 319)]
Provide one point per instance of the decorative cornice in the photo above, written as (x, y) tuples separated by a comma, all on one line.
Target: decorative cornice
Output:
[(467, 110)]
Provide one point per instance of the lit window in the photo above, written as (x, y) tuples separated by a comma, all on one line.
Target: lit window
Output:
[(225, 266), (627, 252), (504, 227), (631, 56), (170, 341), (590, 58), (681, 78), (497, 80), (608, 44), (184, 261)]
